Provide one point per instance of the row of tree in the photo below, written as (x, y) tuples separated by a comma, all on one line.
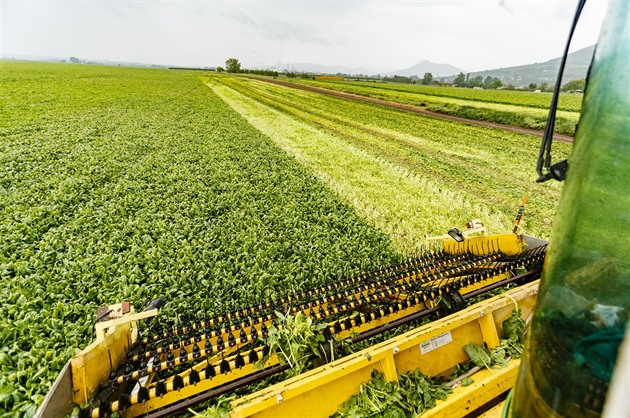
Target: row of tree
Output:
[(232, 65), (494, 83), (488, 83)]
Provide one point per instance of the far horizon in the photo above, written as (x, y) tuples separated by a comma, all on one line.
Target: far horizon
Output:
[(291, 67), (380, 37)]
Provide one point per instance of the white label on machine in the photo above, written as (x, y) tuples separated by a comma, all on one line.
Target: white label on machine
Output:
[(435, 342)]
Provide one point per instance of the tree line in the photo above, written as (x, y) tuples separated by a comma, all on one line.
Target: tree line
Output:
[(232, 65)]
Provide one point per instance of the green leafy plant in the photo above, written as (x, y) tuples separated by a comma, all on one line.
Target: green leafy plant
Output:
[(478, 355), (379, 398), (513, 340), (219, 409), (296, 342), (510, 346), (514, 327)]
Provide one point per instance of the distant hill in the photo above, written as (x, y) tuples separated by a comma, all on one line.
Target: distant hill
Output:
[(522, 75), (309, 67), (418, 70), (545, 72)]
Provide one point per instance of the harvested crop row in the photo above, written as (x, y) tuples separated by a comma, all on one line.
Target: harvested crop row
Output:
[(415, 174), (459, 154), (149, 186)]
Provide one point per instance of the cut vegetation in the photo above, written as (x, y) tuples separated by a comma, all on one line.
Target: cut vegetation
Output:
[(409, 174)]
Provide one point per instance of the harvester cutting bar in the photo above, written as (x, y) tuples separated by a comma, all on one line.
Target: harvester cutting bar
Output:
[(421, 264), (351, 298), (214, 356)]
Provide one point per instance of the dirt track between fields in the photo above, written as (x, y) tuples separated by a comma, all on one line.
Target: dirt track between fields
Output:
[(413, 109)]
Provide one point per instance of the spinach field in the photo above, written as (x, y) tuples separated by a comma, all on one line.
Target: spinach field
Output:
[(214, 191), (129, 184)]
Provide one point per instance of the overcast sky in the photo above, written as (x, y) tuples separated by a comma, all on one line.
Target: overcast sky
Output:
[(381, 35)]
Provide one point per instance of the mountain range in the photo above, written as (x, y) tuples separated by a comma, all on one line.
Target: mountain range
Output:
[(418, 70), (438, 70), (544, 72), (521, 75)]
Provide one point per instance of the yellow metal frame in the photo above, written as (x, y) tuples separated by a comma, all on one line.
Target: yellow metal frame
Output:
[(509, 244), (480, 229), (487, 385), (442, 341), (386, 366), (91, 366), (190, 390)]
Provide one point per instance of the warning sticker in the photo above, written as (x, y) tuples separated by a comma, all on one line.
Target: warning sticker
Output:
[(435, 342)]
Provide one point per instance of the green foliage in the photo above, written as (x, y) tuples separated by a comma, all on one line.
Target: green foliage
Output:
[(232, 65), (511, 345), (475, 82), (514, 327), (563, 125), (380, 398), (128, 184), (268, 73), (398, 79), (478, 355), (427, 79), (523, 100), (519, 108), (460, 80), (219, 409), (579, 84), (296, 342), (492, 83), (513, 340)]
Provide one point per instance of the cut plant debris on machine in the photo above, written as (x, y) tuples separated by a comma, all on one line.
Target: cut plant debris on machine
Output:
[(494, 325)]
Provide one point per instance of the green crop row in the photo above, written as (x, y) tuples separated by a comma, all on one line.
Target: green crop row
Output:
[(129, 184), (523, 109), (409, 174)]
